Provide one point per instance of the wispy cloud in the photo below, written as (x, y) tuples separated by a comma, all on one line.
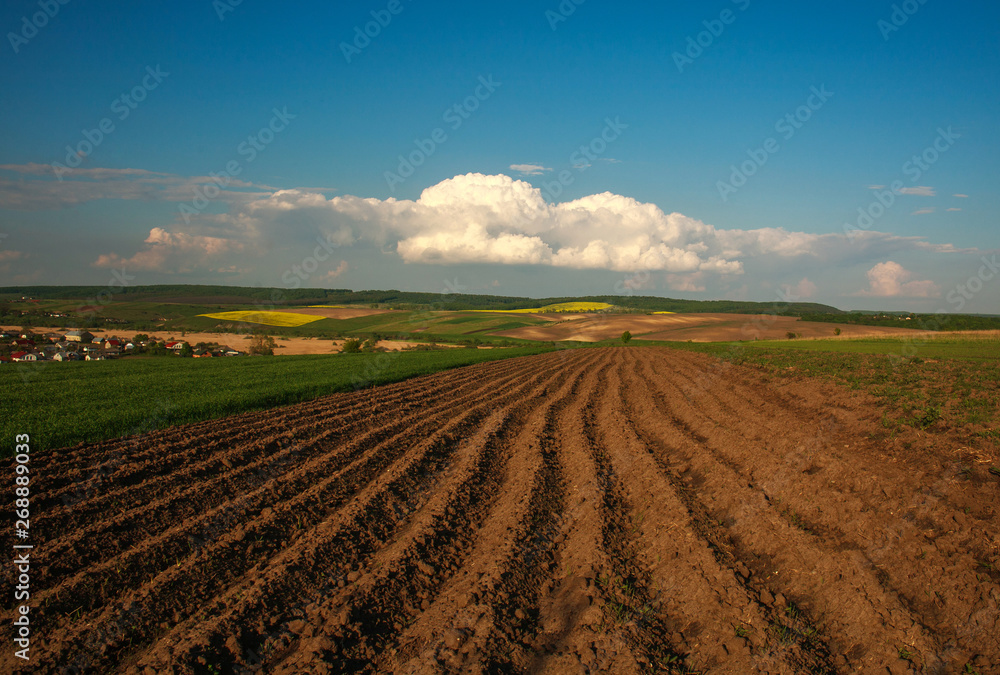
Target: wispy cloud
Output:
[(38, 187), (333, 274), (961, 196), (919, 191), (954, 209), (920, 212), (530, 169)]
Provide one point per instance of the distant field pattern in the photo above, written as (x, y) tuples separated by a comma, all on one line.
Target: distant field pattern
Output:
[(559, 307), (282, 319)]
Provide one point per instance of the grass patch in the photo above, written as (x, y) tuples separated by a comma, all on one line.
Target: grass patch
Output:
[(948, 382), (67, 403)]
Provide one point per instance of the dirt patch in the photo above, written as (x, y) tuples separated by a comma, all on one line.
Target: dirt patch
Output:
[(616, 510), (693, 327), (292, 346)]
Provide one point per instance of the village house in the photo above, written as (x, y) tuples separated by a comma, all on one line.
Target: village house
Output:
[(24, 356), (79, 336)]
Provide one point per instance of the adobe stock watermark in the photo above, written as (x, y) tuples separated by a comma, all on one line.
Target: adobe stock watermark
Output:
[(363, 35), (562, 12), (583, 158), (958, 297), (294, 278), (250, 149), (787, 126), (913, 169), (974, 285), (121, 107), (223, 7), (454, 117), (37, 21), (714, 28), (901, 13)]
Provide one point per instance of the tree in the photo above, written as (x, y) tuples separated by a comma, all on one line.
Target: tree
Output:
[(790, 335), (262, 345), (626, 336), (351, 346), (186, 350), (836, 331)]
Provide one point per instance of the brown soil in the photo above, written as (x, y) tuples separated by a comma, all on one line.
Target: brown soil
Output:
[(292, 346), (691, 327), (615, 510)]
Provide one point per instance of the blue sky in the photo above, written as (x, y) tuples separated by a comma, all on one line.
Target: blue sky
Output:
[(814, 107)]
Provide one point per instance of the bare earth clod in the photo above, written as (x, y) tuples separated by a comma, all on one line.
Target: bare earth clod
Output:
[(606, 510)]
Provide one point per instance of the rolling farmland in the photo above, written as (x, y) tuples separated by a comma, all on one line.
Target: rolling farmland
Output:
[(612, 510)]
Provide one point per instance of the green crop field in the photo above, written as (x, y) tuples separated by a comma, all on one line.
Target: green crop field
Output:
[(62, 404), (949, 382), (932, 348)]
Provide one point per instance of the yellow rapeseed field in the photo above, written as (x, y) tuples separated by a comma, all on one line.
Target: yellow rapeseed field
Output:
[(281, 319), (559, 307)]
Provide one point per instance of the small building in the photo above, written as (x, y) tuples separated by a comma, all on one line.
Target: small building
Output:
[(23, 356), (95, 356), (79, 336)]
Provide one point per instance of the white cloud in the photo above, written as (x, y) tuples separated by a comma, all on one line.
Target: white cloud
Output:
[(171, 252), (333, 274), (801, 291), (470, 218), (691, 283), (529, 169), (919, 191), (960, 196), (954, 209), (920, 212), (891, 280)]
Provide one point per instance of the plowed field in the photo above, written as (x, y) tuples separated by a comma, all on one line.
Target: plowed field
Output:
[(615, 510)]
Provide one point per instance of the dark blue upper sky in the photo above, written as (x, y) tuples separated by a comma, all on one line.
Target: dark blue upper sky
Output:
[(891, 88)]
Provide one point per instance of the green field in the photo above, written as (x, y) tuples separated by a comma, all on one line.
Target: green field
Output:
[(944, 347), (62, 404), (935, 348), (947, 383)]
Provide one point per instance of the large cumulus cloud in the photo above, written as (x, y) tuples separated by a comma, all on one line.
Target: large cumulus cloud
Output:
[(481, 219)]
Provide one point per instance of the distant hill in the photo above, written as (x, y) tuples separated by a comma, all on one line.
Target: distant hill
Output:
[(401, 299)]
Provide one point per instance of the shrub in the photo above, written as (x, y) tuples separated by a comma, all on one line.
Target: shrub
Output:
[(352, 346)]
